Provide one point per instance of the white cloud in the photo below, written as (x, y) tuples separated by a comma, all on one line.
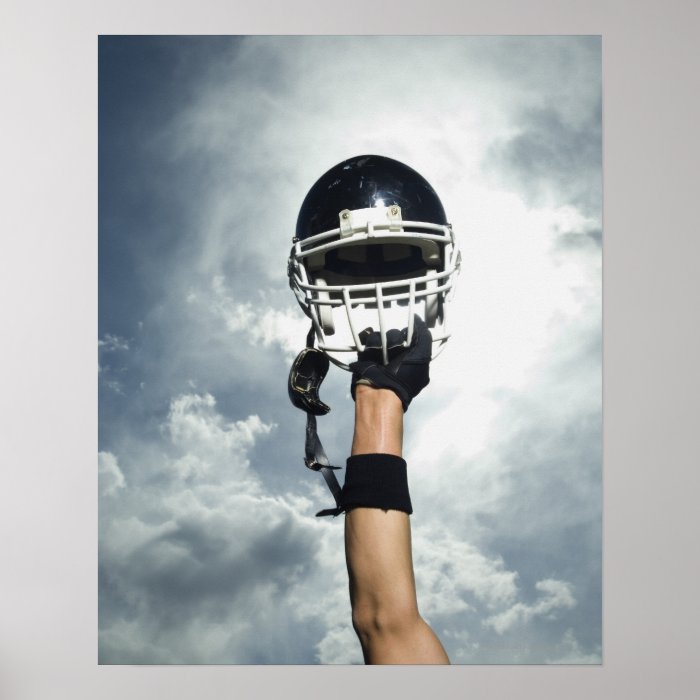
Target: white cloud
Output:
[(110, 476), (112, 343), (257, 324), (194, 425), (555, 595), (569, 651), (450, 572), (110, 375), (338, 644), (200, 535)]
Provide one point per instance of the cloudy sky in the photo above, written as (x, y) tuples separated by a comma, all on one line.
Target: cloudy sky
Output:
[(209, 548)]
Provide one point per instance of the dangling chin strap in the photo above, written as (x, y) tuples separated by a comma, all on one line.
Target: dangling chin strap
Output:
[(305, 377), (317, 461)]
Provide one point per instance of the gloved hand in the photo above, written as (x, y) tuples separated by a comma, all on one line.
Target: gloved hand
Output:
[(408, 370)]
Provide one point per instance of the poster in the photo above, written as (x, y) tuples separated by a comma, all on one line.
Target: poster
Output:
[(209, 551)]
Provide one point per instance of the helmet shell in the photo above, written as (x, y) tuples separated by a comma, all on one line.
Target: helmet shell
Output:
[(364, 182)]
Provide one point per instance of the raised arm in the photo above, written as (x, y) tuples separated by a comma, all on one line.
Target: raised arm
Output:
[(377, 527)]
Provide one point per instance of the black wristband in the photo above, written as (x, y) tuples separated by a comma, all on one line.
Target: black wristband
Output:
[(376, 481)]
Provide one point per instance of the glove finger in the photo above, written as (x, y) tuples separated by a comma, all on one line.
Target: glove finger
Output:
[(372, 342), (422, 341), (373, 339), (370, 338), (395, 337), (360, 366)]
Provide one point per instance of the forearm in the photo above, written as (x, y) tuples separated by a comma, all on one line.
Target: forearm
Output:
[(378, 548), (378, 422)]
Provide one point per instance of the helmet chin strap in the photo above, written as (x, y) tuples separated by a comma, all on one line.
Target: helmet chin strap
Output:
[(308, 371)]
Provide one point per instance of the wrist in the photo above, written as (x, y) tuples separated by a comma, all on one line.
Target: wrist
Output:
[(371, 396), (378, 422)]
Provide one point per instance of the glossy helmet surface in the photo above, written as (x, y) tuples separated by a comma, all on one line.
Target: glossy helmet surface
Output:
[(372, 248)]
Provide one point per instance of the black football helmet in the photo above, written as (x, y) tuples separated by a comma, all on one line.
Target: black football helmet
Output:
[(372, 248)]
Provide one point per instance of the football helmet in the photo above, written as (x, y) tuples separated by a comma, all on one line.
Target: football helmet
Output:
[(372, 248)]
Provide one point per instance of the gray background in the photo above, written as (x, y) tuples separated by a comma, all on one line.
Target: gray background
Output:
[(48, 518)]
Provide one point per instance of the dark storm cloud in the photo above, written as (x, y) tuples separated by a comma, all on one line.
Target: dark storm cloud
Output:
[(178, 203), (551, 160), (144, 82), (555, 154), (205, 573)]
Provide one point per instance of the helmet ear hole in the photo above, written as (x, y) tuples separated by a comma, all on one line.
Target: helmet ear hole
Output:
[(325, 311)]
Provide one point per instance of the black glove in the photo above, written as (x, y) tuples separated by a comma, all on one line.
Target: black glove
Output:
[(408, 370)]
